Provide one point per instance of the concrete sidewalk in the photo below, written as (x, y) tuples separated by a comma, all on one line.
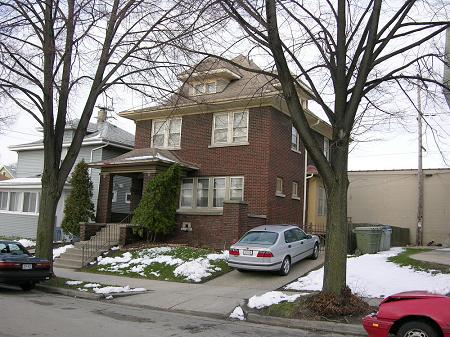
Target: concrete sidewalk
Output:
[(440, 255), (217, 297)]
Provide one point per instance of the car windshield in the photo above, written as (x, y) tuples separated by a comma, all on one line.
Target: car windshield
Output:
[(12, 248), (260, 238)]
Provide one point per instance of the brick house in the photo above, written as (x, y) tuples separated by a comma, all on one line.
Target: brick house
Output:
[(230, 131)]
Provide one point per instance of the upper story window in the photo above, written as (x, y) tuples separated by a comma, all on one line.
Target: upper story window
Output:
[(230, 128), (279, 190), (166, 133), (205, 193), (295, 190), (295, 143), (326, 147), (204, 88), (322, 202)]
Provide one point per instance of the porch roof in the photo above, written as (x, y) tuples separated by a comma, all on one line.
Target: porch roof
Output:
[(140, 157)]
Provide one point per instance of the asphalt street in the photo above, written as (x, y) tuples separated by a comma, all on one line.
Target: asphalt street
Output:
[(34, 313)]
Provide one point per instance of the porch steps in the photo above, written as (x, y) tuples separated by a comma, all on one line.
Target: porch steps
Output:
[(106, 238)]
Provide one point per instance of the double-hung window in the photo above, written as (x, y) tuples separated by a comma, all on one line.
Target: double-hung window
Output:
[(166, 133), (230, 128), (29, 202), (205, 193), (14, 201), (3, 201), (204, 88), (295, 190), (295, 143), (279, 189)]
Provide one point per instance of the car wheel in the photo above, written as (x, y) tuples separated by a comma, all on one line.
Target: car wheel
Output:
[(416, 329), (315, 253), (27, 286), (285, 266)]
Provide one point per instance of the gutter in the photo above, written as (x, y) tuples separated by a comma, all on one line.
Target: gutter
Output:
[(92, 154)]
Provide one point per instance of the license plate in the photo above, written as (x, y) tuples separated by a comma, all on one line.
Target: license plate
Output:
[(247, 252), (27, 266)]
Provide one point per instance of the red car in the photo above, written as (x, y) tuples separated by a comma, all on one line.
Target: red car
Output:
[(411, 314)]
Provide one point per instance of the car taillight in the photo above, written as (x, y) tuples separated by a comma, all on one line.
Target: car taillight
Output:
[(42, 265), (264, 253), (234, 252), (10, 265)]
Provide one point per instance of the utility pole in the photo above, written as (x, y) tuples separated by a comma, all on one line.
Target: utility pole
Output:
[(419, 232)]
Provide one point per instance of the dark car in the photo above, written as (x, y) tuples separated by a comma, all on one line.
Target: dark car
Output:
[(18, 267), (411, 314)]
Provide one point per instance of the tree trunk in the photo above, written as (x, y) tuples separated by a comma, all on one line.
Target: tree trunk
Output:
[(336, 241), (47, 210)]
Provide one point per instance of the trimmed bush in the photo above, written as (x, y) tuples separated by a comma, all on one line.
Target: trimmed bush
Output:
[(156, 213), (79, 206)]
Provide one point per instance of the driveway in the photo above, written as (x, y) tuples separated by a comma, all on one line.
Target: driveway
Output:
[(217, 297)]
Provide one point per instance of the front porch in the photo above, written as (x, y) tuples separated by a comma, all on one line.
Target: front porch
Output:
[(218, 228)]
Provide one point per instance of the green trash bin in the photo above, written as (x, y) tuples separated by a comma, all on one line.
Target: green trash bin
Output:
[(368, 239)]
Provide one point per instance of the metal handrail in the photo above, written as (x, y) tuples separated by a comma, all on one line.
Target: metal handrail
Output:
[(101, 241)]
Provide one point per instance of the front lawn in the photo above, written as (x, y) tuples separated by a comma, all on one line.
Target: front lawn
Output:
[(180, 264), (404, 259)]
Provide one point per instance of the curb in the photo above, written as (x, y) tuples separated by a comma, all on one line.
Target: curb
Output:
[(82, 294), (319, 326)]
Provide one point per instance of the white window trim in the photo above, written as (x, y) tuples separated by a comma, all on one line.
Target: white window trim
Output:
[(166, 127), (126, 199), (20, 203), (229, 141), (210, 194), (277, 192), (297, 149), (319, 211), (295, 196), (326, 147)]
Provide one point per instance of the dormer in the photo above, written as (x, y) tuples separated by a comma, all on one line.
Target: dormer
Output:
[(208, 78)]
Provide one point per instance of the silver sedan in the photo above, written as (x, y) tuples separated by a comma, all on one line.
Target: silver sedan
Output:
[(273, 248)]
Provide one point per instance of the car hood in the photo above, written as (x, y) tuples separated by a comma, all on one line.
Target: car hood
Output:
[(408, 295)]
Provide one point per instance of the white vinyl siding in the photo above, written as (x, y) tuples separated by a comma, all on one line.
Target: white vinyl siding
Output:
[(166, 133), (205, 193), (230, 128)]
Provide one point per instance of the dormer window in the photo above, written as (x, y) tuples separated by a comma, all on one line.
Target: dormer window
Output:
[(166, 133), (201, 88)]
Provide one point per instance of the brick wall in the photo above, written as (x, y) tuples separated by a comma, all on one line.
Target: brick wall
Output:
[(104, 201), (87, 230)]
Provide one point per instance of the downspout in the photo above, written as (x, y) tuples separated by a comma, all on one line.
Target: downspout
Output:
[(304, 187), (92, 154)]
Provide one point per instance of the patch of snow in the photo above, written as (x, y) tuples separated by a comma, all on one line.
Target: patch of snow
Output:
[(372, 275), (82, 289), (140, 158), (73, 283), (115, 290), (61, 250), (194, 270), (444, 249), (92, 285), (215, 257), (270, 298), (155, 273), (161, 157), (27, 243), (110, 297), (238, 313), (126, 257), (114, 248)]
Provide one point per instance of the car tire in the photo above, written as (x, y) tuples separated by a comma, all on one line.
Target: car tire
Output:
[(416, 329), (27, 286), (241, 270), (285, 266), (315, 253)]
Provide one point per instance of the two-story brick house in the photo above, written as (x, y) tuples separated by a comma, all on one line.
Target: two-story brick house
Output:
[(230, 131)]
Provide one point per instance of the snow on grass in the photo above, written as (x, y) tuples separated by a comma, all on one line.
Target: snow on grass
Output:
[(116, 290), (92, 285), (181, 263), (270, 298), (238, 313), (372, 275), (27, 243), (61, 250), (74, 283)]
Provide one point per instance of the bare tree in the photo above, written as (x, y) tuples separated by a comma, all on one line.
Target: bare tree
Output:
[(52, 51), (356, 57)]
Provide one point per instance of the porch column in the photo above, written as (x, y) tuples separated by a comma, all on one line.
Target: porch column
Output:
[(136, 193), (104, 201)]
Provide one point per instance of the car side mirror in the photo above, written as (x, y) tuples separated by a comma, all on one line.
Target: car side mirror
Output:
[(308, 236)]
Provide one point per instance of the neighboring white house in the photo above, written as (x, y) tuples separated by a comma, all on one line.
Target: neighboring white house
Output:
[(19, 197)]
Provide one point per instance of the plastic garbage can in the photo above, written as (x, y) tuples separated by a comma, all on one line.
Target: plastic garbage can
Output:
[(385, 240), (368, 239)]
